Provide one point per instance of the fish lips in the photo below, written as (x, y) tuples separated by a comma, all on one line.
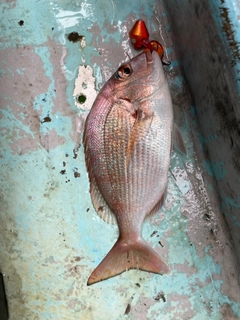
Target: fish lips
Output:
[(147, 60)]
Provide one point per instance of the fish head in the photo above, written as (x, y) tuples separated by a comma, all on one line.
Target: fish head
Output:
[(136, 79)]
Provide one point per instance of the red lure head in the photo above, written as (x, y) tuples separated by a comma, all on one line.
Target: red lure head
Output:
[(138, 34), (139, 37)]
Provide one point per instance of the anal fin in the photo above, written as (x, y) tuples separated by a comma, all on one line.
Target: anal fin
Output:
[(100, 204)]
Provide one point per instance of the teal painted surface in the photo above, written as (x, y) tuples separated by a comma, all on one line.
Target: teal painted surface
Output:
[(50, 234)]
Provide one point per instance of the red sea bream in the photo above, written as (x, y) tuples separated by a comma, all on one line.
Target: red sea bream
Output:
[(128, 141)]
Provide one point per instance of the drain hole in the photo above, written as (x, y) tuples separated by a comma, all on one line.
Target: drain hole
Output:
[(81, 98), (3, 300)]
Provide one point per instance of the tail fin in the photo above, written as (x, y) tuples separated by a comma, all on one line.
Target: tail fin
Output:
[(123, 257)]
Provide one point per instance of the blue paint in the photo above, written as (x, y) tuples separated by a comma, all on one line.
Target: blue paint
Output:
[(236, 221), (174, 63), (231, 203), (228, 204), (215, 168), (169, 50)]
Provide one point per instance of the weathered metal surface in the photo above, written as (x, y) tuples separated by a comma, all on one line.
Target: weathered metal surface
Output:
[(211, 56), (50, 236)]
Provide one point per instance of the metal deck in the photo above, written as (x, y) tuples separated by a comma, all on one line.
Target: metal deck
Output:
[(51, 238)]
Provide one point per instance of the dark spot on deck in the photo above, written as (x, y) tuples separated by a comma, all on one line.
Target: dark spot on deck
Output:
[(74, 37), (160, 243), (207, 217), (46, 119), (77, 258), (76, 174), (160, 296), (153, 234), (128, 309), (63, 171), (75, 151), (21, 23), (138, 285)]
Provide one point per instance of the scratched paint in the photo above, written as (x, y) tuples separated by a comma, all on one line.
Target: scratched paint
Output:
[(84, 88), (51, 237)]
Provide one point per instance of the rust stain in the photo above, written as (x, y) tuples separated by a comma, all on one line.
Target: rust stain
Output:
[(46, 119), (230, 34), (74, 37), (128, 309)]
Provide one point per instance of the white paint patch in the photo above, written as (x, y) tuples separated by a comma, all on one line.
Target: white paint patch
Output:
[(83, 43), (84, 87), (80, 122)]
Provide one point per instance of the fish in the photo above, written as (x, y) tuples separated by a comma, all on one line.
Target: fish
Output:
[(128, 139)]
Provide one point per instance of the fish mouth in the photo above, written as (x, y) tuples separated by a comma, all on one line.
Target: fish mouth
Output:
[(146, 60), (153, 58)]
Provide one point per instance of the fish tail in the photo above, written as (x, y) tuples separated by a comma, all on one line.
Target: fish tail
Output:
[(124, 256)]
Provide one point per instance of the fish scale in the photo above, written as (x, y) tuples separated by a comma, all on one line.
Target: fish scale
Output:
[(127, 141), (149, 162), (115, 147)]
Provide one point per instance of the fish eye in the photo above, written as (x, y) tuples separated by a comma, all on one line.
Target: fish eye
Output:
[(127, 70), (123, 72)]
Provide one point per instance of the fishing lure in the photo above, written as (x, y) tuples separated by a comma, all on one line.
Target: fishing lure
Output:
[(139, 37)]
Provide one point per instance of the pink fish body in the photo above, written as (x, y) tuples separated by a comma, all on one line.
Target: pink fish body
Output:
[(128, 141)]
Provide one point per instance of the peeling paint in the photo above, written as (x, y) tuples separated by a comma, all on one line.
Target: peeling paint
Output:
[(84, 86)]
